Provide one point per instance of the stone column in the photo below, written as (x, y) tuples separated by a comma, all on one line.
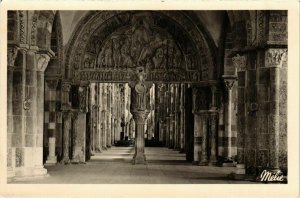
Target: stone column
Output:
[(203, 157), (274, 59), (182, 118), (52, 85), (139, 118), (80, 126), (51, 159), (43, 58), (104, 115), (213, 138), (229, 81), (12, 52), (140, 108), (66, 136), (240, 66), (66, 107)]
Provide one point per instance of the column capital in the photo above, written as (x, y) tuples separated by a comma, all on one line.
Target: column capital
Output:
[(140, 116), (66, 85), (52, 83), (274, 57), (66, 114), (229, 81)]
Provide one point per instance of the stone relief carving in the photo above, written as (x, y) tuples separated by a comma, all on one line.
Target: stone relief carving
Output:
[(275, 57), (42, 62), (11, 56), (139, 45), (120, 26), (27, 104), (239, 62)]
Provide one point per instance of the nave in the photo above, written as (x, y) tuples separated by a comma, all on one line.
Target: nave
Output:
[(113, 166)]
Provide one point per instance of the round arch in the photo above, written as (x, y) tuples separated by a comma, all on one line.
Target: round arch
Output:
[(194, 46)]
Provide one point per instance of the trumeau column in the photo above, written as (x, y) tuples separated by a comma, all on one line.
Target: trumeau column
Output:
[(66, 108), (229, 82), (140, 106)]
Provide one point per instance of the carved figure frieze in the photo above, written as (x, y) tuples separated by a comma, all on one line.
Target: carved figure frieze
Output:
[(124, 40), (140, 45)]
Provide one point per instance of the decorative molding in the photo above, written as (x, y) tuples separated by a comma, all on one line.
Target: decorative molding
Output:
[(22, 27), (27, 104)]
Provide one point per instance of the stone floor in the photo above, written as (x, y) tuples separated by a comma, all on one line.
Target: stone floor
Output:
[(165, 166)]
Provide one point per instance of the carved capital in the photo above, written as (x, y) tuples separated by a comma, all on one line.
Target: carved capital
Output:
[(74, 114), (239, 62), (275, 57), (140, 116), (11, 55), (52, 83), (66, 86), (42, 62), (229, 81), (66, 116)]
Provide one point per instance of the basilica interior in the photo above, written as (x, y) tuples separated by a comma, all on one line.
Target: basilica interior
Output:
[(208, 86)]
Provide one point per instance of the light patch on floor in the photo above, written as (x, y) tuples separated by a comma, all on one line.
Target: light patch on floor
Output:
[(113, 166)]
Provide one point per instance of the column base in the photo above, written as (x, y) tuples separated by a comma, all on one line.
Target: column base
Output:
[(212, 163), (10, 173), (228, 164), (181, 151), (51, 160), (203, 163), (26, 173), (139, 158), (66, 161), (195, 162), (104, 148)]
